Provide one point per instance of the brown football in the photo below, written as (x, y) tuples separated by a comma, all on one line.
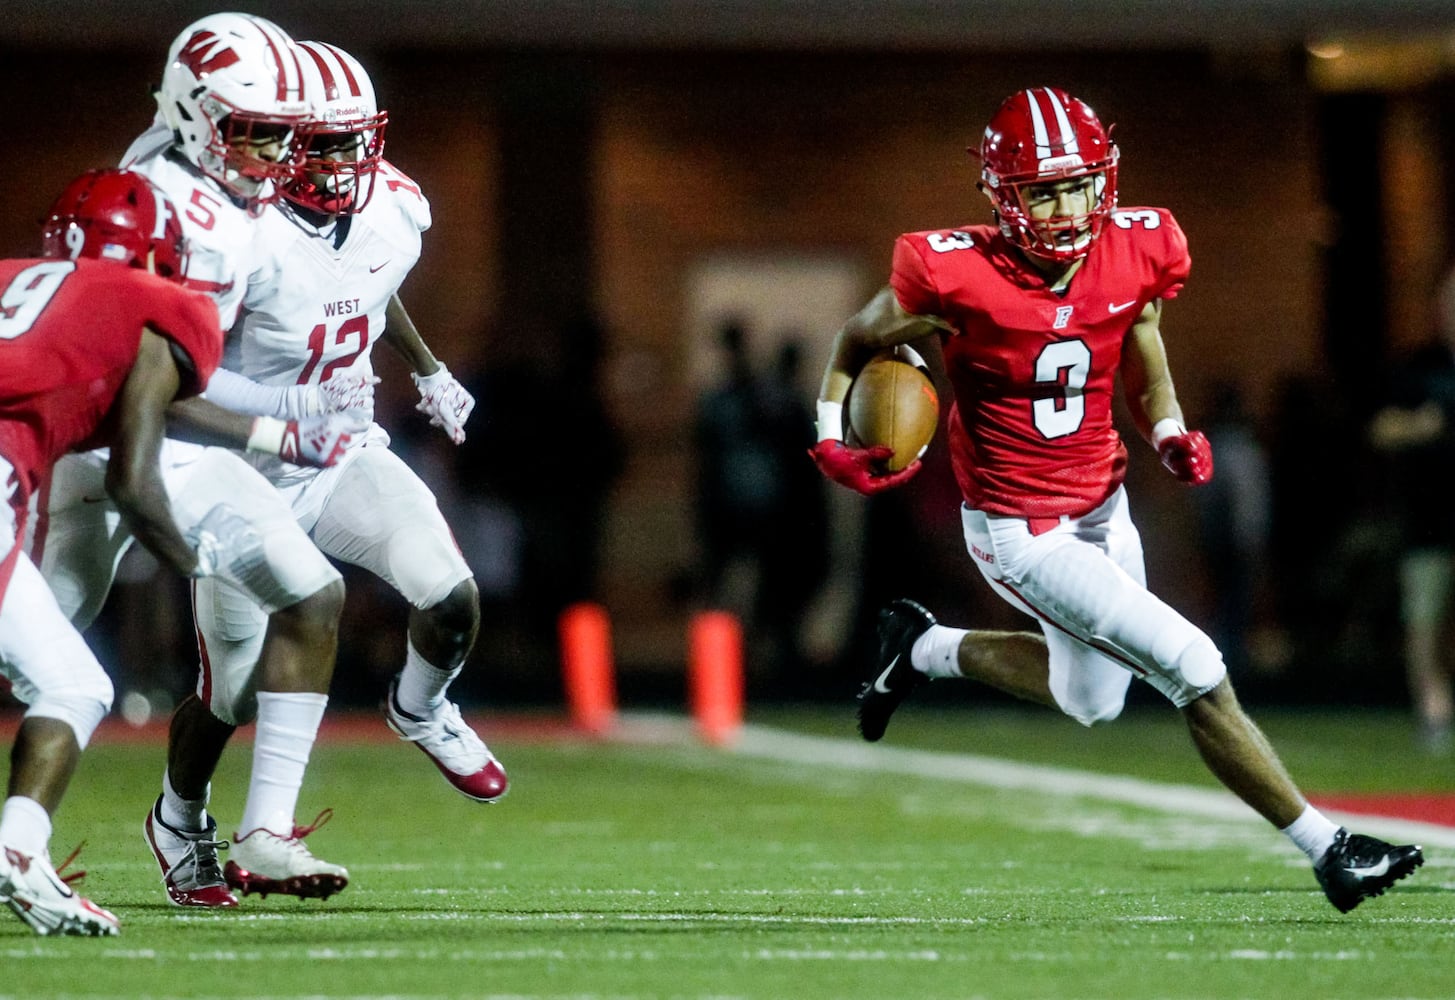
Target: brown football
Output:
[(893, 403)]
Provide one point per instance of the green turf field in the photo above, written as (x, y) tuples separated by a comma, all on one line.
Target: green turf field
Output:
[(664, 869)]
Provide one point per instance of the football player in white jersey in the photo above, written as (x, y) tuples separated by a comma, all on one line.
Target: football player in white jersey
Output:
[(230, 99), (332, 254)]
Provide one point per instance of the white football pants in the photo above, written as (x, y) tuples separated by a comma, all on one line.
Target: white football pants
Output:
[(369, 511), (1085, 583)]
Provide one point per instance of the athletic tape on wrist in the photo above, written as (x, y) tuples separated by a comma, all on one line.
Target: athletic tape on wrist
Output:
[(1166, 428), (830, 421), (267, 435)]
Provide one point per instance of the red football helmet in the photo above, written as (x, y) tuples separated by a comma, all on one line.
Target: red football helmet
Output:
[(117, 215), (344, 134), (1040, 137)]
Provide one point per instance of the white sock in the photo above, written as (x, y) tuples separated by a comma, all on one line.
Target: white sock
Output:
[(1312, 833), (25, 825), (180, 813), (287, 726), (421, 684), (937, 652)]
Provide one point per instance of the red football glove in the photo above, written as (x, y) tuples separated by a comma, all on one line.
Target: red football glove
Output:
[(1187, 456), (854, 467)]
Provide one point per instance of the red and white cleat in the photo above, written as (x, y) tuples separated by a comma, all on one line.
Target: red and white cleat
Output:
[(188, 859), (461, 756), (40, 896), (266, 862)]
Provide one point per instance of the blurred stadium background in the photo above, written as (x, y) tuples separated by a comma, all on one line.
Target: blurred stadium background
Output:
[(612, 181)]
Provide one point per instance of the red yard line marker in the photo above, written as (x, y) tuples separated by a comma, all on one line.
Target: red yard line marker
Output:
[(1426, 807)]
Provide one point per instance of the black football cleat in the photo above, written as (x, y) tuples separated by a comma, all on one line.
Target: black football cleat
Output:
[(1357, 867), (901, 622)]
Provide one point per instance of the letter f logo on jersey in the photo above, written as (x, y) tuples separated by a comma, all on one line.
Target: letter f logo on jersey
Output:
[(1063, 316), (202, 56)]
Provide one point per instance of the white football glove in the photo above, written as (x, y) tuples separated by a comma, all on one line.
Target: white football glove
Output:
[(228, 547), (321, 441), (348, 391), (445, 401), (342, 391), (315, 441)]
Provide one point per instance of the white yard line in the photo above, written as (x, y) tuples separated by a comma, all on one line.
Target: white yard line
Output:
[(993, 772)]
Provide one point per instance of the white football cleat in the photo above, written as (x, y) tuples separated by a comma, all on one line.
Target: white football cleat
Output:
[(38, 895), (266, 862), (461, 756)]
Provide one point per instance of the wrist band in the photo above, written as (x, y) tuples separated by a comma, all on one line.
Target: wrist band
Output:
[(830, 421), (1166, 428), (267, 435)]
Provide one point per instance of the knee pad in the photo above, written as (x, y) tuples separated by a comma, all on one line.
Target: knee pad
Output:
[(1199, 669)]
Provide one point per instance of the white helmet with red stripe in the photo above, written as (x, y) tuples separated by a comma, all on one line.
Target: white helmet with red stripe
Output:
[(233, 93), (344, 137), (1040, 137)]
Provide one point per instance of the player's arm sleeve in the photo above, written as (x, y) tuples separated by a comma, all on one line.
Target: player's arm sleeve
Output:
[(913, 284), (408, 196), (1176, 260), (241, 394), (188, 323), (133, 471)]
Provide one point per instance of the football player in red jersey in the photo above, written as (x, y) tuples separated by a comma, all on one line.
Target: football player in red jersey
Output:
[(90, 354), (112, 214), (1036, 316)]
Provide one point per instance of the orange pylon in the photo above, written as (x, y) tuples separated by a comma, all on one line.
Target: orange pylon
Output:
[(587, 666), (715, 675)]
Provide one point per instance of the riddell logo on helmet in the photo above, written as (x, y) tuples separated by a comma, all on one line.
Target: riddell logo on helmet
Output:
[(201, 55), (1061, 163)]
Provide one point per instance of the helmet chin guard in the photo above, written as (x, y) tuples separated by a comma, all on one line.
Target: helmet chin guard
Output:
[(1042, 136)]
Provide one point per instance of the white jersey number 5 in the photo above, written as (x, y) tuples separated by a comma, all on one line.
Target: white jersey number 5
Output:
[(1064, 364)]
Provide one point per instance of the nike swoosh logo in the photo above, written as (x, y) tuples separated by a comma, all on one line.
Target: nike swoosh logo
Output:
[(1373, 871), (879, 684), (1114, 308), (378, 267)]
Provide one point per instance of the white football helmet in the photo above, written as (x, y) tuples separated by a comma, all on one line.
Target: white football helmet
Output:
[(344, 138), (233, 93)]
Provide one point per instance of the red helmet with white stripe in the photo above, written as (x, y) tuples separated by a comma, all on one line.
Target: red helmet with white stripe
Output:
[(1041, 137), (344, 137), (232, 91)]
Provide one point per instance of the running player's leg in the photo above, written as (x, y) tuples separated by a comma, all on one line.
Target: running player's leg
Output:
[(1086, 579), (66, 692), (268, 647), (372, 511)]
